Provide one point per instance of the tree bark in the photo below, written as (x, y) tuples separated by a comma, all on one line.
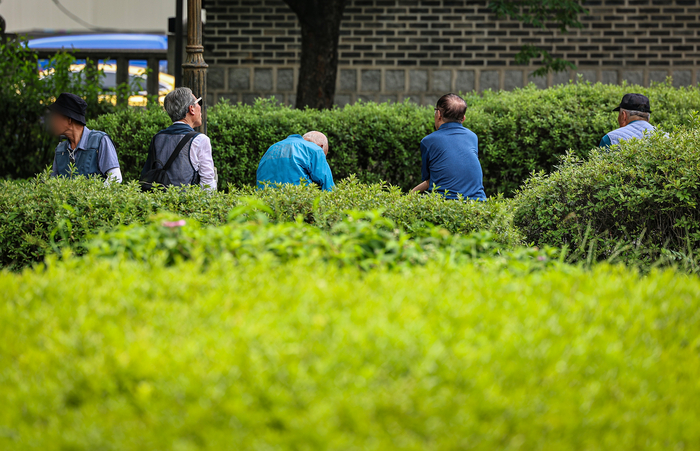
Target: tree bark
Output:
[(318, 69)]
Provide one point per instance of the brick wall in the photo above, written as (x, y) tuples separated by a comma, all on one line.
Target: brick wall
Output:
[(394, 49)]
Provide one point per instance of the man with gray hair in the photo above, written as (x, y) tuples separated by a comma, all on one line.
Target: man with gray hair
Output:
[(296, 159), (179, 152), (633, 117)]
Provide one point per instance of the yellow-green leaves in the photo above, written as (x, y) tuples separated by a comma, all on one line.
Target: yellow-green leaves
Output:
[(122, 355)]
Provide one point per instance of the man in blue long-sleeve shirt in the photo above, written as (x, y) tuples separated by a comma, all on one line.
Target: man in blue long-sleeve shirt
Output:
[(450, 155), (296, 159)]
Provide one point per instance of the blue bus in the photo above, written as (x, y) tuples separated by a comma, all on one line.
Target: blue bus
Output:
[(106, 41)]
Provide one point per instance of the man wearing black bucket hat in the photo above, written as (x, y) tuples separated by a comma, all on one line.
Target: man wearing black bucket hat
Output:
[(633, 117), (90, 151)]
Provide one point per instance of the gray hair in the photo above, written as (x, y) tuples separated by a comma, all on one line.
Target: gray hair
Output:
[(177, 102), (634, 113), (317, 138)]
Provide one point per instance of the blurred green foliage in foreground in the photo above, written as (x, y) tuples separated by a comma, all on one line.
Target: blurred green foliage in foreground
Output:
[(121, 354)]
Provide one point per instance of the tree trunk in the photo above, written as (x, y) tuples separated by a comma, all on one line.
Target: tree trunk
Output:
[(318, 70)]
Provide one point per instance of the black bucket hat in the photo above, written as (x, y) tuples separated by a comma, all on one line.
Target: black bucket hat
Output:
[(635, 102), (71, 106)]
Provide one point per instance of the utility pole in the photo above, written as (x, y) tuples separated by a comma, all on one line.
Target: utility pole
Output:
[(195, 69), (2, 29), (178, 43)]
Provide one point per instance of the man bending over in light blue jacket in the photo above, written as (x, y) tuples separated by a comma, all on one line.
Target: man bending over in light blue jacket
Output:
[(297, 159)]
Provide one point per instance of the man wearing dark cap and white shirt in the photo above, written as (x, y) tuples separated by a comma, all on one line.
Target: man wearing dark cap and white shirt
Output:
[(633, 117), (90, 151)]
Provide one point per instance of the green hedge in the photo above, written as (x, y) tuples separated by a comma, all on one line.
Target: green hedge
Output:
[(366, 240), (634, 200), (110, 355), (519, 132), (45, 214)]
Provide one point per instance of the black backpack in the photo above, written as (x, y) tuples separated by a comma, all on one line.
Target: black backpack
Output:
[(160, 175)]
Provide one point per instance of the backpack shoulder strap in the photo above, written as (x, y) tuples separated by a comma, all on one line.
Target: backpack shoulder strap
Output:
[(185, 139)]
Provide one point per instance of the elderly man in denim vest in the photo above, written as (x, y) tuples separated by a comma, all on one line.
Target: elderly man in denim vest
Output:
[(194, 164), (633, 117), (91, 152)]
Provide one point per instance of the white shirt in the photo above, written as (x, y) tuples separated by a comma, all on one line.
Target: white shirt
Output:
[(202, 161)]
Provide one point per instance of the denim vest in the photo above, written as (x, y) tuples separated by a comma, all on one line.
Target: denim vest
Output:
[(86, 160), (162, 146)]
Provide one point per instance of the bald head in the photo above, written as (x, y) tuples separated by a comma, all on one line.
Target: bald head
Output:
[(452, 107), (319, 139)]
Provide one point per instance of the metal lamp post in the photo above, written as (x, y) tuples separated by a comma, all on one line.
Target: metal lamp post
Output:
[(194, 68)]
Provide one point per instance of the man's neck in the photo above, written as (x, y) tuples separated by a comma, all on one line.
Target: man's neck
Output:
[(449, 122), (186, 121), (74, 135)]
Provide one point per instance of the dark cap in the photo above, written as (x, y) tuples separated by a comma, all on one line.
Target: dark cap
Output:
[(635, 102), (71, 106)]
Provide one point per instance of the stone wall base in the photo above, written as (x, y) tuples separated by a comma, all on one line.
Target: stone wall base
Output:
[(424, 86)]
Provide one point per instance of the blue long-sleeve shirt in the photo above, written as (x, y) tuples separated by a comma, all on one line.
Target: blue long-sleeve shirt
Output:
[(294, 159)]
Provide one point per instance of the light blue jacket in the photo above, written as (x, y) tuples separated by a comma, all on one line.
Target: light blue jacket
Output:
[(292, 160)]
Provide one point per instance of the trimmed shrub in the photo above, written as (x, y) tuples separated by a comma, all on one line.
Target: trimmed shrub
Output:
[(410, 211), (364, 239), (115, 355), (44, 214), (635, 200), (519, 132)]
